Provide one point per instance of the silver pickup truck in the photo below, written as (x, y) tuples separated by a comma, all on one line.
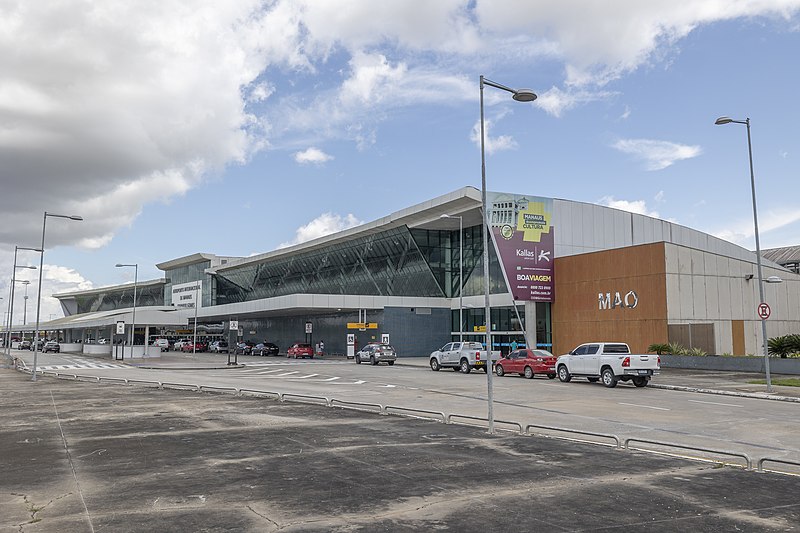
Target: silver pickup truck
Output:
[(610, 361), (462, 356)]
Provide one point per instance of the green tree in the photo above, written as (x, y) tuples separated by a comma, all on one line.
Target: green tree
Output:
[(782, 346)]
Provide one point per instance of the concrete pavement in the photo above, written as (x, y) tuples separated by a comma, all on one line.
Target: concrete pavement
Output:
[(81, 456)]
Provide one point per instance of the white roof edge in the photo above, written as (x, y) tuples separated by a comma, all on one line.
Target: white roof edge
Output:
[(159, 281)]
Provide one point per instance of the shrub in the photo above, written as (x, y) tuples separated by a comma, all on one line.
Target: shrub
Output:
[(783, 346), (697, 352), (677, 349), (659, 349)]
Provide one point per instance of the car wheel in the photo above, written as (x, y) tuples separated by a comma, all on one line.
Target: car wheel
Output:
[(457, 369), (358, 360), (640, 381), (528, 372), (434, 364), (390, 363), (563, 374), (372, 360), (498, 369), (465, 368), (609, 379), (593, 380), (551, 376)]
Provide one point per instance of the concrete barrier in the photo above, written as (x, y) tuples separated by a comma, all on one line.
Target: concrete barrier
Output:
[(732, 364)]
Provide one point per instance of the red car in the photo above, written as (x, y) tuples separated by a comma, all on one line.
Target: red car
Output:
[(189, 347), (300, 349), (527, 363)]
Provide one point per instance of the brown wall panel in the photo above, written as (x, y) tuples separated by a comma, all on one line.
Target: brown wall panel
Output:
[(577, 317), (737, 332)]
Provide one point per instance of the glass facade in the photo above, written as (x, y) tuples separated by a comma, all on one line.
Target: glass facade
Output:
[(396, 262), (120, 298), (187, 274)]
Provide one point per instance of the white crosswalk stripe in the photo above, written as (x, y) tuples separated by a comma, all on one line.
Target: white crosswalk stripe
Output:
[(80, 366)]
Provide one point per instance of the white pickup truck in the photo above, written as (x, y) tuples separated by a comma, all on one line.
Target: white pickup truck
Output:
[(609, 361), (462, 356)]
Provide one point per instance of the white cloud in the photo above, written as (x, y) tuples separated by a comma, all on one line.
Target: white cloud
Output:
[(633, 206), (325, 224), (491, 144), (312, 155), (555, 101), (657, 155), (659, 197), (742, 232)]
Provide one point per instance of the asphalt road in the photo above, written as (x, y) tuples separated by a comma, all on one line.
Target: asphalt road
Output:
[(82, 456), (753, 426)]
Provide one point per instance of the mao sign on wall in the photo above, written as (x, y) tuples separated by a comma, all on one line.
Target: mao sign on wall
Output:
[(522, 233), (616, 300)]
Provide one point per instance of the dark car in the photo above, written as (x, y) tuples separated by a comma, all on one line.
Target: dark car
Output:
[(375, 353), (244, 348), (265, 348), (51, 346), (527, 363), (300, 349)]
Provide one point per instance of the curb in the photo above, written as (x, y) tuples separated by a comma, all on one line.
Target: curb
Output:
[(757, 395)]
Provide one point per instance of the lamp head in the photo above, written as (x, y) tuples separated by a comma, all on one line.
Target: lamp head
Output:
[(774, 279), (723, 120), (524, 95)]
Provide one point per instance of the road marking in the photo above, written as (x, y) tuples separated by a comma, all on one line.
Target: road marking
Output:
[(645, 406), (286, 374), (331, 379), (304, 377), (388, 386), (716, 403)]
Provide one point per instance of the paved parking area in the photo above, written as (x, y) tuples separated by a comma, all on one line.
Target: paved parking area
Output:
[(80, 456)]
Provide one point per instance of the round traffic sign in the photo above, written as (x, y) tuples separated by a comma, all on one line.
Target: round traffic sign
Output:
[(764, 310)]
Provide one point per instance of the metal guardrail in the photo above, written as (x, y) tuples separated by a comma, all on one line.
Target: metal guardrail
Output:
[(773, 460), (446, 418), (358, 406), (748, 460), (450, 417), (411, 410), (616, 439)]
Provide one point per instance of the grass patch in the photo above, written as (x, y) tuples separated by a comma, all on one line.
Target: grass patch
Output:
[(785, 382)]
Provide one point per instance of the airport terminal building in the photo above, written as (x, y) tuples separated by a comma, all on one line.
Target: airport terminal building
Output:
[(561, 273)]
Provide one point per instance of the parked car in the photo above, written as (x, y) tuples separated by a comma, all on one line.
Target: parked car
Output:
[(375, 353), (102, 341), (609, 362), (179, 344), (527, 363), (244, 348), (37, 345), (300, 349), (265, 348), (24, 345), (51, 346), (463, 356), (218, 347), (189, 346), (162, 343)]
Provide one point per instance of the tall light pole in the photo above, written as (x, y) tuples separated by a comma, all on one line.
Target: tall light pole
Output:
[(196, 305), (520, 95), (727, 120), (25, 305), (460, 274), (39, 292), (11, 295), (135, 283)]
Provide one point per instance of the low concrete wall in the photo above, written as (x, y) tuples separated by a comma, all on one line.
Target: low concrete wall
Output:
[(71, 347), (734, 364), (97, 349)]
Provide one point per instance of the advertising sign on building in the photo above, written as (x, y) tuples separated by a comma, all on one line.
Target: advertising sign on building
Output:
[(522, 233), (186, 294)]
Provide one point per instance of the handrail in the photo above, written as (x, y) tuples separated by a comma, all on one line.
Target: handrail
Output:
[(749, 465), (180, 386), (451, 416), (213, 388), (575, 431), (773, 460), (356, 405), (277, 395), (411, 410)]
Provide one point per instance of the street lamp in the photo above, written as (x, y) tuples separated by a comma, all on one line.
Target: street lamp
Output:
[(25, 305), (135, 282), (460, 274), (727, 120), (11, 295), (39, 292), (520, 95)]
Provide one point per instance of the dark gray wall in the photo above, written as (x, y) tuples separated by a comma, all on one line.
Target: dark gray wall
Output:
[(416, 335)]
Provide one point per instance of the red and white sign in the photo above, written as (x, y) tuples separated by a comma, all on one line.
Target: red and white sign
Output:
[(764, 311)]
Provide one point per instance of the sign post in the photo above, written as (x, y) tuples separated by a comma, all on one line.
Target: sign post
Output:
[(764, 311)]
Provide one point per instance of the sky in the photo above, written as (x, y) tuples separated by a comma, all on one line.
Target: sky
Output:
[(235, 128)]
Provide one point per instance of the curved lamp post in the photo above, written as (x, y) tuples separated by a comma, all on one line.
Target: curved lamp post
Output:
[(25, 305), (39, 292), (520, 95), (727, 120), (460, 274), (135, 283)]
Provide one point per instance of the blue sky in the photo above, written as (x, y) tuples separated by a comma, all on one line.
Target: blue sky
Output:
[(176, 127)]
